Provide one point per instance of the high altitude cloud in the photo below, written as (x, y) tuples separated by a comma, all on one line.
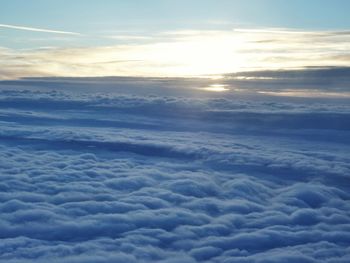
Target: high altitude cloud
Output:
[(184, 53)]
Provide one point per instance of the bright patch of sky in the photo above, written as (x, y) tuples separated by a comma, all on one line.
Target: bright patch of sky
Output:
[(170, 38)]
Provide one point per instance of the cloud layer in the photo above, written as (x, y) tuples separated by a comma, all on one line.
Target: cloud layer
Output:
[(179, 53), (113, 175)]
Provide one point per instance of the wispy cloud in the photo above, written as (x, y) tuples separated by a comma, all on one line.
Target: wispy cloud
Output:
[(185, 53), (275, 31), (38, 29), (281, 31)]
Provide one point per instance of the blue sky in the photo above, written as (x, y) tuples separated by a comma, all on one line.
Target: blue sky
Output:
[(91, 15), (41, 24)]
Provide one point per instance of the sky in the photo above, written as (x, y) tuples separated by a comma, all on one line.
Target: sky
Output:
[(169, 38), (246, 163)]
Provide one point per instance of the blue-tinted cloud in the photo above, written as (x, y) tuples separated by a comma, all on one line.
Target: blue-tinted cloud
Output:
[(115, 175)]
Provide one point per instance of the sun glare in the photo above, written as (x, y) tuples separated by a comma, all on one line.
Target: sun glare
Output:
[(211, 54)]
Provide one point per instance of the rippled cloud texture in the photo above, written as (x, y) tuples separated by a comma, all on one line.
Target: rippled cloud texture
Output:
[(116, 172)]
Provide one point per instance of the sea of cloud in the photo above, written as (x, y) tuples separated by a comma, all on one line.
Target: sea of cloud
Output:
[(130, 172)]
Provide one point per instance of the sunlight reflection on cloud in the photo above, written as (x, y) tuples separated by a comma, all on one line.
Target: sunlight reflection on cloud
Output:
[(216, 88)]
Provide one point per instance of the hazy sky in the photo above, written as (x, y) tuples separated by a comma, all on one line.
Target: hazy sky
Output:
[(163, 37)]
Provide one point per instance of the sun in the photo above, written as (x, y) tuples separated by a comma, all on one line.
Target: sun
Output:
[(207, 54)]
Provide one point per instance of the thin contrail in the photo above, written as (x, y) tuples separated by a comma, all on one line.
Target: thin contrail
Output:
[(39, 29)]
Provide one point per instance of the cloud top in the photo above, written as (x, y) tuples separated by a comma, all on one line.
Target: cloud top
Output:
[(119, 170)]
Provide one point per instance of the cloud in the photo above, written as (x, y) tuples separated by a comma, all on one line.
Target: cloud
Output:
[(184, 53), (283, 31), (34, 29), (101, 170)]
